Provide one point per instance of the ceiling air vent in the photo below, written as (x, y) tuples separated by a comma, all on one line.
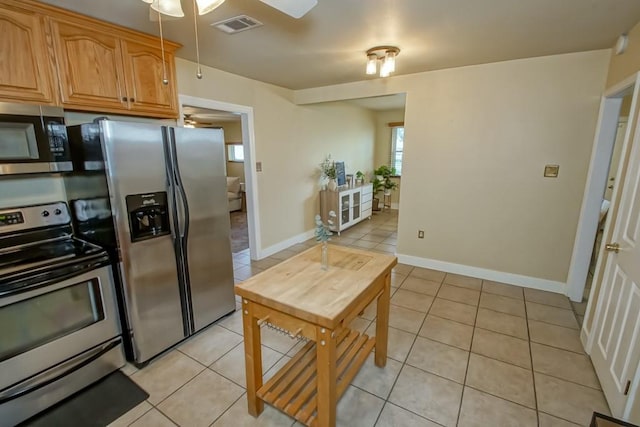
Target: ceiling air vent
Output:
[(237, 24)]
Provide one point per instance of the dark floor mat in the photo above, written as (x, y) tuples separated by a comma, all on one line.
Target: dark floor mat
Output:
[(96, 405)]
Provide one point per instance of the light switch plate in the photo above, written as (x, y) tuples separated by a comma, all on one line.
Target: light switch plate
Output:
[(258, 166), (551, 171)]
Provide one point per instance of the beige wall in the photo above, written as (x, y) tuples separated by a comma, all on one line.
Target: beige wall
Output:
[(383, 134), (622, 66), (383, 144), (232, 133), (473, 171), (478, 139), (291, 141)]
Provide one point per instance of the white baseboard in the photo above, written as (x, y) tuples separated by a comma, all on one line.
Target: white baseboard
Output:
[(486, 274), (265, 252)]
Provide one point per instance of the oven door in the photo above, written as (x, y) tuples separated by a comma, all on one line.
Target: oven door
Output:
[(49, 325)]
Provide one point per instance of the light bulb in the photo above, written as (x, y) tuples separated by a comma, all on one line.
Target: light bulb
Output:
[(372, 63), (384, 69), (168, 7), (206, 6), (390, 61)]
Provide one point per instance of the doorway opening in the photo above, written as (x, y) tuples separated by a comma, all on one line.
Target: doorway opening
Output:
[(237, 123), (607, 197), (602, 167)]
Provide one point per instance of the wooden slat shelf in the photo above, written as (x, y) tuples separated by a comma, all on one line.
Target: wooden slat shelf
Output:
[(293, 388)]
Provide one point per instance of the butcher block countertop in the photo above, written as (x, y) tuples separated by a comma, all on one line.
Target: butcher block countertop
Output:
[(299, 287)]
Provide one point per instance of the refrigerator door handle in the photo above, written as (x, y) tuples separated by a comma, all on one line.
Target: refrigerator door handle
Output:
[(183, 237), (184, 207), (180, 211), (171, 184)]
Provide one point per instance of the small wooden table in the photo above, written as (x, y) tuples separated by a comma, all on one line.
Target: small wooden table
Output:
[(299, 297)]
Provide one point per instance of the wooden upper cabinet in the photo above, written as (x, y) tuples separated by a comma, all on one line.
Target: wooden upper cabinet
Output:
[(144, 73), (89, 67), (53, 56), (25, 70)]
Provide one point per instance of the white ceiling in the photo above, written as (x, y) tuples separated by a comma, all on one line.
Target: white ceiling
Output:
[(327, 46)]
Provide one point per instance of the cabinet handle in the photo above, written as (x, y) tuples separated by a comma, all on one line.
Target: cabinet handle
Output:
[(124, 99), (132, 100)]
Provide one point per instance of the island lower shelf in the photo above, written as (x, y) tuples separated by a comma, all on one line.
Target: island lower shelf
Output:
[(293, 388)]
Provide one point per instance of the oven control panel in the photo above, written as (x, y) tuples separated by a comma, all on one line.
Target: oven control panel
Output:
[(24, 218), (10, 218)]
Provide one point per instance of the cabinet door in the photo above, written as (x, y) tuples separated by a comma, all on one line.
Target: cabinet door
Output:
[(345, 207), (89, 67), (144, 74), (25, 73), (355, 205)]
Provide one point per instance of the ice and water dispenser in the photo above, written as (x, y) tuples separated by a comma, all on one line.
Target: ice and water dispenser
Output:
[(148, 215)]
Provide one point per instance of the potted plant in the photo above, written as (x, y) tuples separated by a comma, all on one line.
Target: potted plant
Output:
[(382, 182), (378, 185), (328, 171), (359, 178)]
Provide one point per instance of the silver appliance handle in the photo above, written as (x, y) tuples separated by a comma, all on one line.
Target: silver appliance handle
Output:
[(183, 238), (180, 210), (54, 374), (184, 234)]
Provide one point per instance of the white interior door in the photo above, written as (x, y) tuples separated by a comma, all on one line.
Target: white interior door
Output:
[(615, 158), (616, 353)]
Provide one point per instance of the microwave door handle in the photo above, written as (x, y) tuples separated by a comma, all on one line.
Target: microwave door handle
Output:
[(41, 380)]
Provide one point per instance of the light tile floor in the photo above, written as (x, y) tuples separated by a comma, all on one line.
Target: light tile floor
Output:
[(462, 351)]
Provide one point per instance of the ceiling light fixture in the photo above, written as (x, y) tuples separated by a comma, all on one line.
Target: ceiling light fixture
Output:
[(174, 8), (385, 54)]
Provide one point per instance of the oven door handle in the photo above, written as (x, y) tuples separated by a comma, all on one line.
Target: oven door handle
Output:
[(54, 374), (43, 277)]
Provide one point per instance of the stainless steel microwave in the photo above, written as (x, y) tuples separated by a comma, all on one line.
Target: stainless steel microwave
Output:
[(33, 139)]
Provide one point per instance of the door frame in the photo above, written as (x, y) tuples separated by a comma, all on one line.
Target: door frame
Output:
[(248, 143), (606, 129)]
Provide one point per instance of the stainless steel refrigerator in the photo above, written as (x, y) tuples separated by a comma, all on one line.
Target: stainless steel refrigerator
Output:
[(167, 192)]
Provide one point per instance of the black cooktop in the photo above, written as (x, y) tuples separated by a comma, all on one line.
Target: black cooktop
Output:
[(46, 253)]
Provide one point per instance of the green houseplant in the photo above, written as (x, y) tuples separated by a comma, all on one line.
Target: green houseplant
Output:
[(382, 182), (328, 171)]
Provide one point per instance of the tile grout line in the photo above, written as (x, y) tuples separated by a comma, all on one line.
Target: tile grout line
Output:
[(533, 372), (466, 372), (227, 410), (404, 362)]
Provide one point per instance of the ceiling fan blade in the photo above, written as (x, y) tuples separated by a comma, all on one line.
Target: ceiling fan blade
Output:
[(294, 8)]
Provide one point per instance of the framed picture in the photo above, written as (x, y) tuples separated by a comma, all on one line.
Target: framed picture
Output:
[(340, 175)]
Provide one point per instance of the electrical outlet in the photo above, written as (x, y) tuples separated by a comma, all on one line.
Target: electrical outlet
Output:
[(420, 234)]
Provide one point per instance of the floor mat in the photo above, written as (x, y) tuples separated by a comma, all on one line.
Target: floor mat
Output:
[(97, 405)]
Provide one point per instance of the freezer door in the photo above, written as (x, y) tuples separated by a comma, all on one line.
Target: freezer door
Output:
[(135, 164), (207, 249)]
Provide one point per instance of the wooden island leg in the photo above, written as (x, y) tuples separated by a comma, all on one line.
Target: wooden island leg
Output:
[(382, 323), (252, 358), (327, 380)]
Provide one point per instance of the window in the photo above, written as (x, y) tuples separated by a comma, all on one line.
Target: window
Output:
[(235, 153), (397, 146)]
